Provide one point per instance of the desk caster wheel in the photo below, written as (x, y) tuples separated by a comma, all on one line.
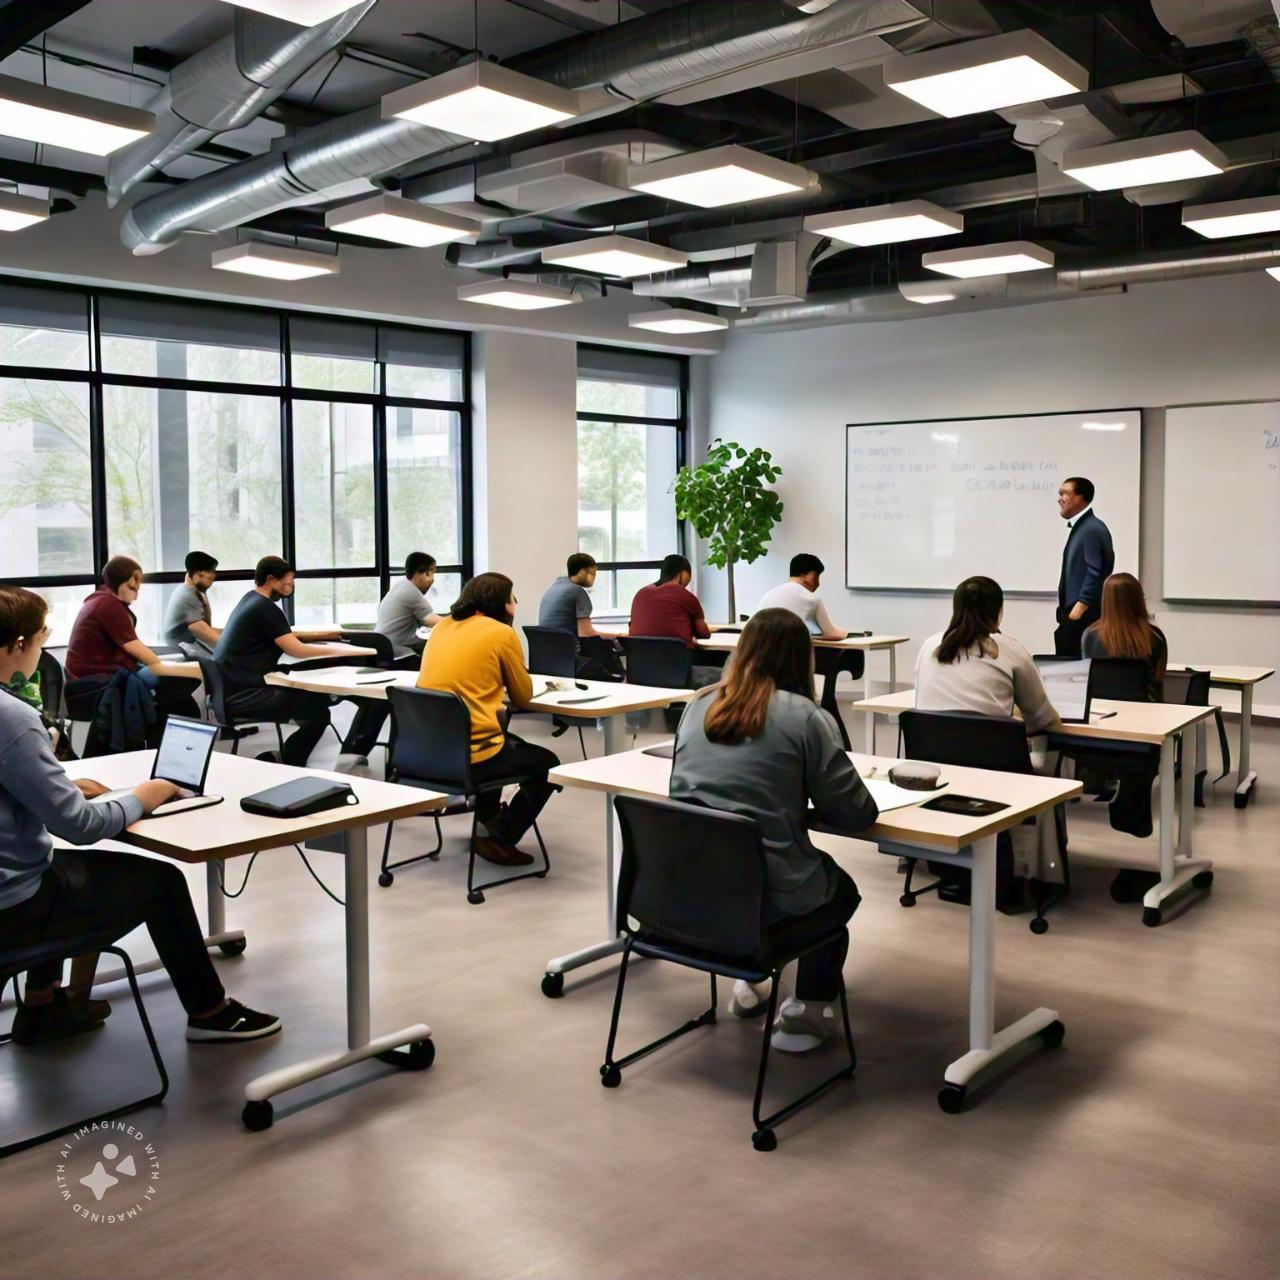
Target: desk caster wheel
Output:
[(907, 900), (386, 880), (764, 1140), (951, 1098), (1052, 1035), (1039, 925), (610, 1077), (475, 897), (257, 1116), (1242, 801), (1151, 916), (553, 985), (422, 1053), (1203, 880), (233, 948)]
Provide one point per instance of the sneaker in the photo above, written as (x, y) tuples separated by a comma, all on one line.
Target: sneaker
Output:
[(803, 1026), (100, 1009), (749, 999), (500, 853), (268, 757), (57, 1019), (235, 1022)]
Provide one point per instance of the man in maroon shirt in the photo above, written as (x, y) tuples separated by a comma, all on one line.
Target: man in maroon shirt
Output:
[(668, 608)]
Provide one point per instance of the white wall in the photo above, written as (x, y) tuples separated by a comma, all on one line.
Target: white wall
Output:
[(793, 391)]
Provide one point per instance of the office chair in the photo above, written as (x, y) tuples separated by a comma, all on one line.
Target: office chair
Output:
[(661, 662), (971, 740), (431, 747), (555, 653), (16, 961), (692, 890), (215, 692), (1190, 688), (829, 663)]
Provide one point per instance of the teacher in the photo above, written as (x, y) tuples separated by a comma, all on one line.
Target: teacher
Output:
[(1087, 561)]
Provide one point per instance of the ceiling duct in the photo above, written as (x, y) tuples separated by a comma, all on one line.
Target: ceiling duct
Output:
[(1263, 36), (1178, 264), (650, 55), (226, 86), (726, 283)]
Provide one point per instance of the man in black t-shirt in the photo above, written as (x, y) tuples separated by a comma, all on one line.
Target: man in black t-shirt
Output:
[(251, 645)]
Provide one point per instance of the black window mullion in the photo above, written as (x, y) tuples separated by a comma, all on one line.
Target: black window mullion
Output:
[(97, 443), (288, 539), (466, 496), (381, 497)]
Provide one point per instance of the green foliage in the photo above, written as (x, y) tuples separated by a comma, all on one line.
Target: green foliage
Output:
[(726, 501)]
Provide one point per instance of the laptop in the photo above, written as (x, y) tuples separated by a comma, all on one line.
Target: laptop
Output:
[(183, 758), (1066, 681)]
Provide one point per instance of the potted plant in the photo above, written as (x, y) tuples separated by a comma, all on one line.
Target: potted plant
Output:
[(726, 501)]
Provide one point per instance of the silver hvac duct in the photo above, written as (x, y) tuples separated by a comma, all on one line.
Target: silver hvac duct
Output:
[(226, 86), (695, 281), (649, 55), (1180, 264)]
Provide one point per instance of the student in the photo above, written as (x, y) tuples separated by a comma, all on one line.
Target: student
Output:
[(188, 620), (475, 653), (1125, 630), (255, 638), (566, 606), (1087, 560), (800, 595), (667, 608), (405, 607), (973, 666), (758, 744), (47, 893), (104, 640)]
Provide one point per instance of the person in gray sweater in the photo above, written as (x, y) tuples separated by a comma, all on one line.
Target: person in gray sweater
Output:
[(48, 893), (758, 744)]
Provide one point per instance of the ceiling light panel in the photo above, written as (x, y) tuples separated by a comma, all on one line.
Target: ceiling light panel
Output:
[(985, 75), (615, 256), (719, 176), (274, 262), (400, 221), (677, 320), (306, 13), (887, 223), (516, 295), (1141, 162), (482, 101), (19, 212), (1233, 217), (989, 259), (57, 118)]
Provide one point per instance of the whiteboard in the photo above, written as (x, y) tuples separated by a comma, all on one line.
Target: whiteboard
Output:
[(929, 504), (1222, 502)]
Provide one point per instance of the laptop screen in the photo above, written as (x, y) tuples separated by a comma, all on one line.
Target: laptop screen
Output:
[(184, 752), (1066, 681)]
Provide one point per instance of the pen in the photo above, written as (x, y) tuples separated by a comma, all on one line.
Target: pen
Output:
[(1103, 715)]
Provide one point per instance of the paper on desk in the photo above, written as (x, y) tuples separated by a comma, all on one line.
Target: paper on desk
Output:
[(888, 795)]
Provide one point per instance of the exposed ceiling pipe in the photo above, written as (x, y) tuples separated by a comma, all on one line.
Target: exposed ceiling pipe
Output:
[(1263, 36), (692, 282), (650, 55), (1177, 264), (226, 86)]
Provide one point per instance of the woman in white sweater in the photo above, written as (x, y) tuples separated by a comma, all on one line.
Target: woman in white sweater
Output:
[(973, 666)]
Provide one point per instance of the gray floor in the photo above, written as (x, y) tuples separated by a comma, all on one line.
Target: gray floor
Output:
[(1146, 1146)]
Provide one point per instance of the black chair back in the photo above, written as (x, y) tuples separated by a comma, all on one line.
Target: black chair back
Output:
[(661, 662), (552, 652), (215, 690), (1187, 688), (373, 640), (52, 682), (430, 739), (693, 875), (967, 739), (1119, 679)]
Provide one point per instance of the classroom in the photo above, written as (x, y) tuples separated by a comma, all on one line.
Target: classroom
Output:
[(624, 618)]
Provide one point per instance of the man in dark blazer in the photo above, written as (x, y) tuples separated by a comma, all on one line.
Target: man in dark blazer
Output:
[(1087, 562)]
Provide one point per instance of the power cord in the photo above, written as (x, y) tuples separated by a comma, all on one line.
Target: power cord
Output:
[(222, 882), (316, 878)]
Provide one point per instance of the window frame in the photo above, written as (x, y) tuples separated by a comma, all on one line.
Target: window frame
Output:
[(285, 393), (679, 424)]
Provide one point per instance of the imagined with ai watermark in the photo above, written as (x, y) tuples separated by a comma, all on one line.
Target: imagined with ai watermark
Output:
[(108, 1172)]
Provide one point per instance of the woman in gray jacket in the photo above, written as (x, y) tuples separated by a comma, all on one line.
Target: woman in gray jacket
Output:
[(758, 744)]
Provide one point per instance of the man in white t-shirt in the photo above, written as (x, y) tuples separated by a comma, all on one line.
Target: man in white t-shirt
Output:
[(800, 596)]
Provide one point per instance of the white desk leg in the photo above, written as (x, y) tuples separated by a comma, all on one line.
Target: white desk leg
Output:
[(1177, 865), (553, 979), (257, 1112), (893, 668), (986, 1044), (1245, 777), (871, 732)]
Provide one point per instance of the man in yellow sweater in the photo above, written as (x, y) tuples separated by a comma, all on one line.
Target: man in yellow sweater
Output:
[(475, 654)]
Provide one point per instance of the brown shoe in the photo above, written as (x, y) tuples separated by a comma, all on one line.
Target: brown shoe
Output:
[(504, 855)]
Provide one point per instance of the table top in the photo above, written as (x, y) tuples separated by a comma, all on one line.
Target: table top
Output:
[(191, 670), (1228, 677), (1133, 721), (614, 699), (634, 773), (722, 640), (225, 830)]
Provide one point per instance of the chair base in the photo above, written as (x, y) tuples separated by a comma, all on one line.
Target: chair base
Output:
[(125, 1108)]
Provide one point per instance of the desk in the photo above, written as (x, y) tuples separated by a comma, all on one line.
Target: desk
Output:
[(910, 832), (226, 831), (1156, 724), (1241, 679)]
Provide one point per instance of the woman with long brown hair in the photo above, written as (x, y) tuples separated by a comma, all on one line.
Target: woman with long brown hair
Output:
[(758, 744), (1125, 630)]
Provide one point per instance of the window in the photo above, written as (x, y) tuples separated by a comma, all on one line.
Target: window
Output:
[(241, 431), (631, 436)]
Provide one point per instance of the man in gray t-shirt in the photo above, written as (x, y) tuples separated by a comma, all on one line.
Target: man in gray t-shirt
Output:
[(405, 607), (566, 606), (188, 619)]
